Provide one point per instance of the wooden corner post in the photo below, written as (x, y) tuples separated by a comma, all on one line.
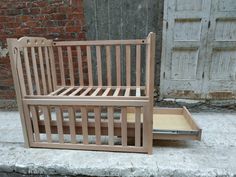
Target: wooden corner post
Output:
[(14, 55), (148, 110)]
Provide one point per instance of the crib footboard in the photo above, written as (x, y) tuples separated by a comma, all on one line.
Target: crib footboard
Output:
[(92, 127)]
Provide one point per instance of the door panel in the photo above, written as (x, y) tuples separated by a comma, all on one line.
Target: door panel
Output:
[(185, 26), (199, 49), (221, 51)]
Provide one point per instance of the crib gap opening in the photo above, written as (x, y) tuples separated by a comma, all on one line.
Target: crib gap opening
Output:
[(78, 121), (133, 65), (143, 64)]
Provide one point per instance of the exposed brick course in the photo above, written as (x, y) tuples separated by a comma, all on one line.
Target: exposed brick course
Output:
[(61, 19)]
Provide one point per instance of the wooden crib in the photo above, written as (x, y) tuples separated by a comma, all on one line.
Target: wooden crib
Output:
[(77, 94)]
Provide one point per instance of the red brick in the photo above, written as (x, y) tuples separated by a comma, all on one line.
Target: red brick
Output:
[(51, 19), (73, 29)]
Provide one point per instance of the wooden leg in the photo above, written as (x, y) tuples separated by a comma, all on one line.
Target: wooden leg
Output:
[(147, 128)]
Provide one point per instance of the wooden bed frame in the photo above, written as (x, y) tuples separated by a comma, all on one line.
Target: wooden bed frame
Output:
[(59, 109)]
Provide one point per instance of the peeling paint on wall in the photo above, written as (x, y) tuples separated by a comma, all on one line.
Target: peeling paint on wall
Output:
[(3, 52)]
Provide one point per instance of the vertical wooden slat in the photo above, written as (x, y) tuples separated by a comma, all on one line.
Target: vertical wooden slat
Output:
[(80, 65), (108, 61), (84, 125), (71, 68), (128, 65), (124, 126), (60, 124), (99, 65), (61, 65), (47, 120), (42, 70), (110, 126), (89, 63), (138, 64), (35, 69), (35, 123), (53, 68), (48, 69), (97, 112), (118, 69), (72, 124), (28, 72), (137, 126), (21, 74)]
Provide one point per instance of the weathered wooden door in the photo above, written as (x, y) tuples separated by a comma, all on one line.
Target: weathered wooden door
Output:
[(221, 51), (199, 49)]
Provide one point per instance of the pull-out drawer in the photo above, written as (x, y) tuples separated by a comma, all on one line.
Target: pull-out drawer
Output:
[(172, 124)]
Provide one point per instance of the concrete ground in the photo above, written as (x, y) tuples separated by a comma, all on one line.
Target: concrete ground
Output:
[(215, 155)]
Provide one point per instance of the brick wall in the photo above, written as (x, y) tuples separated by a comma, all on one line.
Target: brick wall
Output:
[(62, 19)]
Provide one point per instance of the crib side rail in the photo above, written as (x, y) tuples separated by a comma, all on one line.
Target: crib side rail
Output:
[(34, 65), (102, 62)]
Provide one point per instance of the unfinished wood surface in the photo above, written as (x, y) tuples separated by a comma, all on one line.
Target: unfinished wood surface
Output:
[(86, 91), (48, 69), (53, 69), (60, 107), (80, 65), (118, 67), (28, 71), (13, 56), (108, 62), (35, 69), (137, 126), (89, 65), (56, 91), (84, 125), (99, 65), (61, 66), (76, 91), (21, 74), (47, 119), (97, 112), (124, 126), (66, 91), (42, 70), (35, 123), (60, 124), (128, 64), (71, 68), (110, 115), (117, 91), (100, 42), (138, 64), (72, 124), (96, 92)]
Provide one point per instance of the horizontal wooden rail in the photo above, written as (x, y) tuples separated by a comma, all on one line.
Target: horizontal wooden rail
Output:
[(81, 102), (99, 42)]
